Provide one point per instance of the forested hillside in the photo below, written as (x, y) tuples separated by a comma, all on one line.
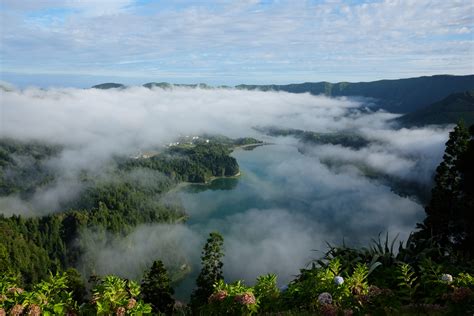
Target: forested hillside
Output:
[(398, 96), (126, 195), (455, 107)]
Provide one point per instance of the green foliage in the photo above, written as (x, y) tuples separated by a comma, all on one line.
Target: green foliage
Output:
[(196, 164), (113, 295), (231, 299), (156, 289), (75, 284), (211, 270), (407, 284), (49, 297), (267, 293)]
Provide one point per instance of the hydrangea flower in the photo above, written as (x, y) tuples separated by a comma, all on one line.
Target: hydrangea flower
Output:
[(338, 280), (219, 296), (245, 299), (34, 310), (15, 290), (131, 303), (16, 310), (120, 311), (461, 294), (325, 298), (447, 278)]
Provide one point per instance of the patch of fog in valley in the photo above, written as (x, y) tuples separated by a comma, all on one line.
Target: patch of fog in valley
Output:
[(304, 201)]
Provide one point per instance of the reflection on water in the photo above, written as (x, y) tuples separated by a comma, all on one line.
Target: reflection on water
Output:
[(283, 206), (215, 185)]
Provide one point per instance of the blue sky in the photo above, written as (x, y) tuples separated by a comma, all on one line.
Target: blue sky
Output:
[(84, 42)]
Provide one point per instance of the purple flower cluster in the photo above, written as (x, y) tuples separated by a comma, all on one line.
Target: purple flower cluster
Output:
[(245, 299)]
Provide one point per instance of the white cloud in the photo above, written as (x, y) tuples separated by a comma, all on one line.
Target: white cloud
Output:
[(302, 40)]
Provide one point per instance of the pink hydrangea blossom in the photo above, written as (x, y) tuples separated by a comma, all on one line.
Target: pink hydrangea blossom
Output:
[(219, 296), (245, 299)]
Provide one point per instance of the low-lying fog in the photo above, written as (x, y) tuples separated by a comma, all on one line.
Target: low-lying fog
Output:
[(342, 201)]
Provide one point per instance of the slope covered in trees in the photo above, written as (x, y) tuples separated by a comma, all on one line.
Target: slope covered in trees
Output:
[(450, 110), (399, 95), (125, 195)]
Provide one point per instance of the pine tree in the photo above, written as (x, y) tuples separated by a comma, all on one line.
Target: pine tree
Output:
[(156, 289), (466, 218), (211, 270), (445, 212)]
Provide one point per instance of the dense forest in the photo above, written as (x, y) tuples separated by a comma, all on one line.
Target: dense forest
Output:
[(451, 109), (432, 273), (128, 194)]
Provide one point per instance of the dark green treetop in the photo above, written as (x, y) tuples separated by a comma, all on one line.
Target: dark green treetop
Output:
[(211, 271), (449, 212), (156, 289)]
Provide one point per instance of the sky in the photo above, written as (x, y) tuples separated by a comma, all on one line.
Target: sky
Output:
[(79, 43)]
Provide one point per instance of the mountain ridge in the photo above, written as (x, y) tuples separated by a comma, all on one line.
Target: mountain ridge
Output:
[(394, 95), (453, 108)]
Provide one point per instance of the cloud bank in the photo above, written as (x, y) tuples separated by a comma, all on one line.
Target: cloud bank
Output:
[(304, 201)]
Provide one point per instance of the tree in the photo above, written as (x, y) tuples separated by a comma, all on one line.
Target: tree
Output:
[(156, 289), (211, 271), (466, 218), (449, 210)]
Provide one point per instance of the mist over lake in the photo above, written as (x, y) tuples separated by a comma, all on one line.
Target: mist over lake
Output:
[(284, 201), (256, 157)]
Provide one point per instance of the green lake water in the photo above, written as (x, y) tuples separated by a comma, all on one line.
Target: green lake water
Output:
[(283, 206)]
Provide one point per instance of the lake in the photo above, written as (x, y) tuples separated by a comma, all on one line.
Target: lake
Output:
[(279, 213)]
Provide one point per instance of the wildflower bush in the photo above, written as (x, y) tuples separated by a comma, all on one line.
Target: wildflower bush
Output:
[(115, 296), (49, 297), (111, 296), (329, 289), (231, 299)]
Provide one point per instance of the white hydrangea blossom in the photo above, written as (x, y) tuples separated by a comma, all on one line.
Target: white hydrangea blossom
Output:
[(447, 278), (338, 280)]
